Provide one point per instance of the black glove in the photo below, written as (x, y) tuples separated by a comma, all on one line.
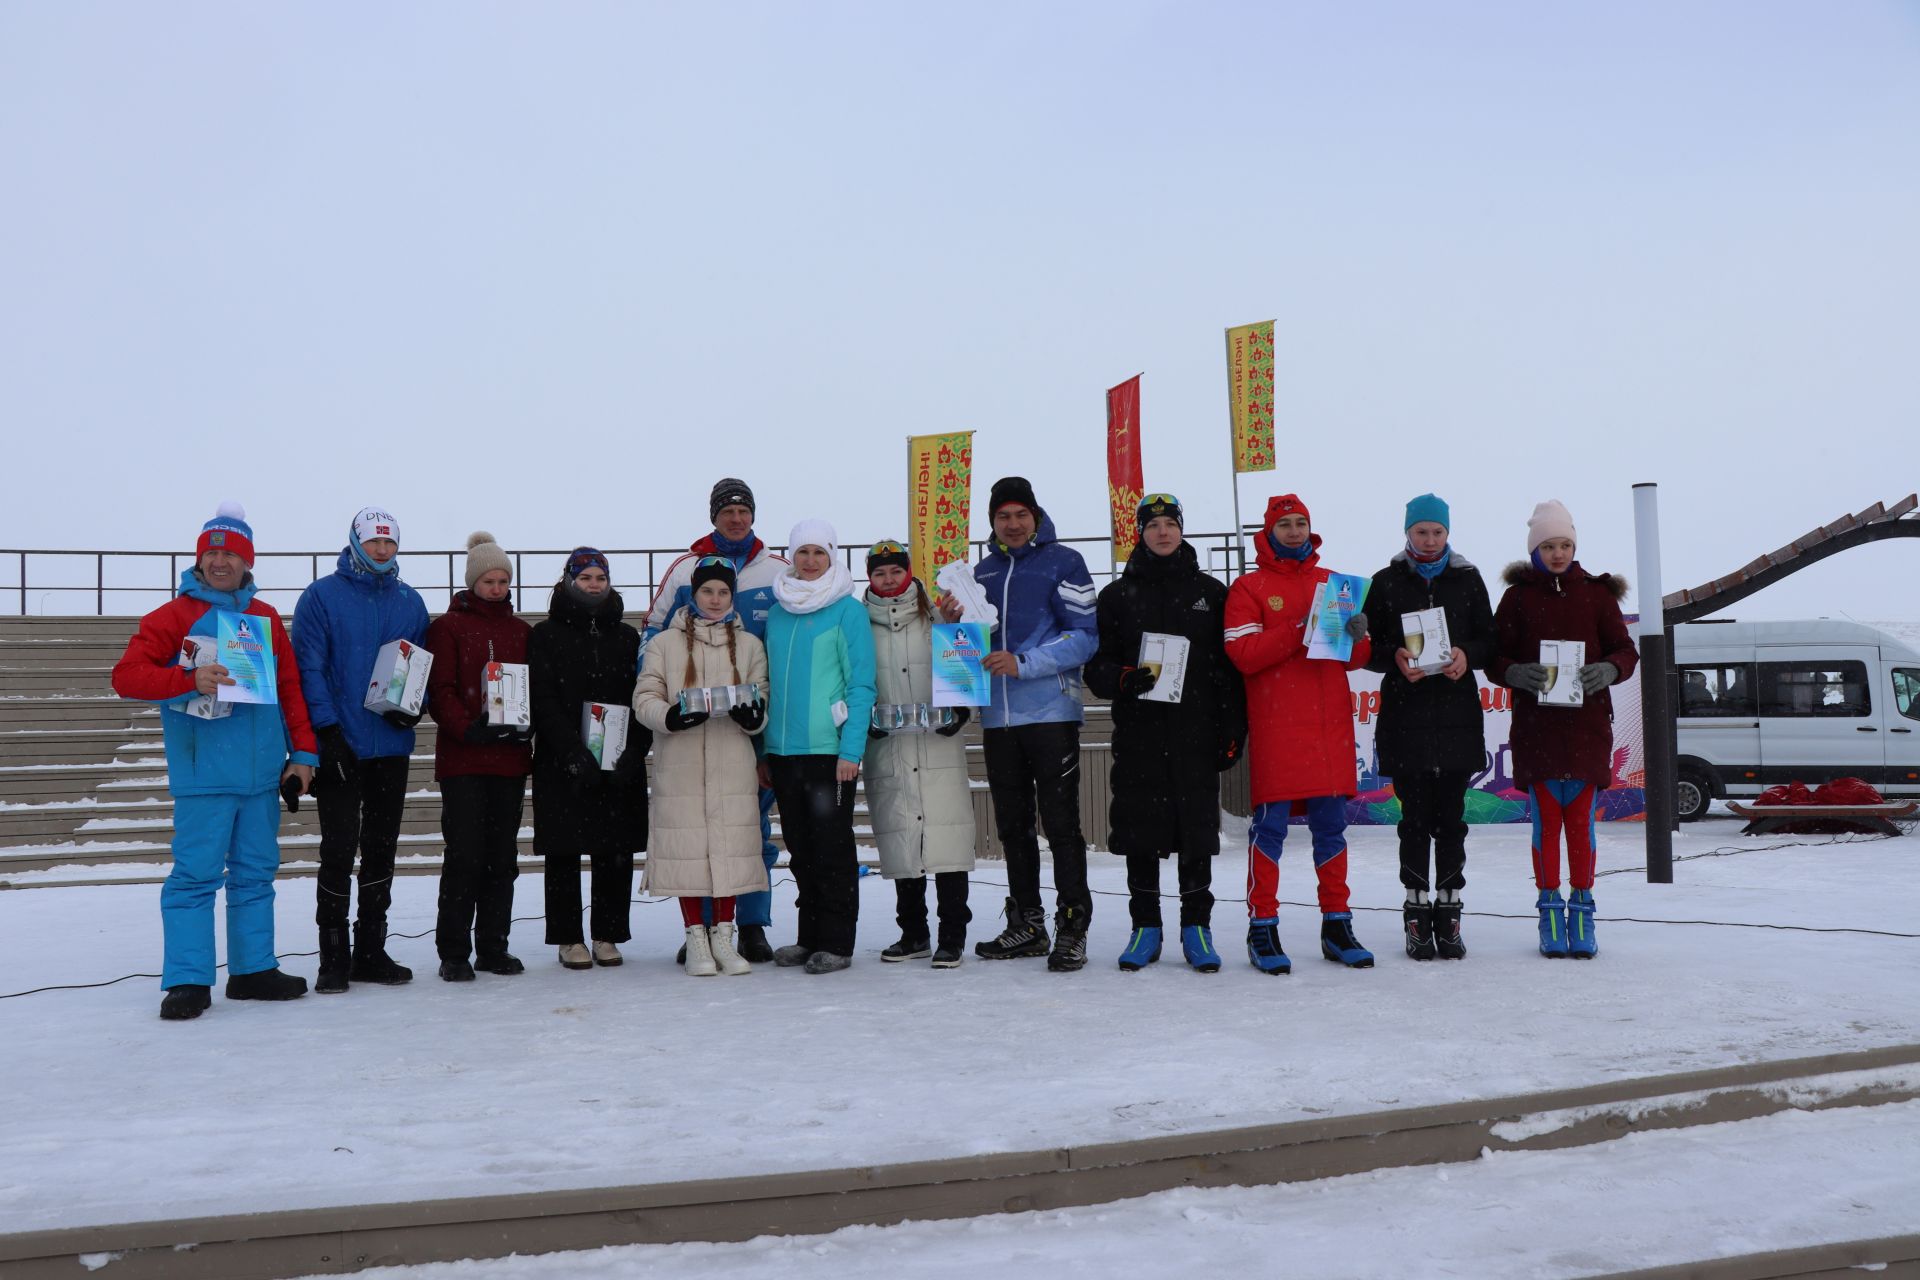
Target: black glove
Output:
[(1135, 681), (960, 717), (1596, 676), (1528, 677), (400, 719), (482, 734), (1357, 626), (1227, 755), (679, 721), (749, 717), (630, 767), (336, 757), (580, 764), (290, 792)]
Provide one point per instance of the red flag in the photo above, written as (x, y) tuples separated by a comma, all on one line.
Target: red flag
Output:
[(1124, 475)]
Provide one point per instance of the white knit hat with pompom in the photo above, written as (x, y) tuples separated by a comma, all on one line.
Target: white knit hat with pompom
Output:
[(483, 556)]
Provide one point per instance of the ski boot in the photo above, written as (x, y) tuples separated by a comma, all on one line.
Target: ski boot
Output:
[(1553, 924), (1263, 947), (1581, 942), (1338, 944), (1447, 942), (1417, 918), (1196, 943), (1143, 948)]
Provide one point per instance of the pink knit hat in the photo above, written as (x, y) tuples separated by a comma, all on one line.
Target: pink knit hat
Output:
[(1550, 519)]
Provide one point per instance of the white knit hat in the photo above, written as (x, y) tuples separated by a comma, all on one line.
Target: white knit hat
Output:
[(374, 522), (814, 533), (1550, 519), (483, 556)]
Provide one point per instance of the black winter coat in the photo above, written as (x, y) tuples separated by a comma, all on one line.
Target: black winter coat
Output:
[(1167, 756), (581, 655), (1434, 723)]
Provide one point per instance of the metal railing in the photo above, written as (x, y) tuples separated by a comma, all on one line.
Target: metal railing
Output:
[(80, 583)]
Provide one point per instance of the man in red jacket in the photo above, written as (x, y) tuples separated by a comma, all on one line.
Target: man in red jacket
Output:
[(1300, 733), (228, 763)]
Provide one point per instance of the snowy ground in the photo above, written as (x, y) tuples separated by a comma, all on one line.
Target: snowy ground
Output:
[(556, 1079), (1647, 1200)]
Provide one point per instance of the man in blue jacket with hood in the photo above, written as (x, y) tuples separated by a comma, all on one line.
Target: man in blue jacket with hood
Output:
[(361, 785), (1047, 630)]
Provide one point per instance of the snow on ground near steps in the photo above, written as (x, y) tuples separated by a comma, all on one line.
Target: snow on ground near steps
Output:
[(555, 1079), (1647, 1200)]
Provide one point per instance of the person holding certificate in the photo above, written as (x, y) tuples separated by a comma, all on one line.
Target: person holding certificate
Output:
[(1562, 754), (1179, 720), (917, 791), (228, 765), (1431, 735), (1300, 732)]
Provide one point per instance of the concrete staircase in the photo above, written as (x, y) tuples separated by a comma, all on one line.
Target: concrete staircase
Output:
[(83, 785)]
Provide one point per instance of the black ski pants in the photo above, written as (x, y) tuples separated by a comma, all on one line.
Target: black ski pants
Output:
[(480, 819), (1196, 888), (950, 890), (612, 891), (816, 823), (359, 814), (1433, 806), (1033, 771)]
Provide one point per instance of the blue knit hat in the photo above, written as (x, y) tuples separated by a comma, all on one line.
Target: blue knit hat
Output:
[(1428, 507)]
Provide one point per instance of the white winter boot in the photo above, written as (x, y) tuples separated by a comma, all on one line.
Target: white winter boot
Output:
[(699, 953), (731, 962), (574, 955)]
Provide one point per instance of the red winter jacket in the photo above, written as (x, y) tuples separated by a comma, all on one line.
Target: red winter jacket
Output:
[(1299, 709), (470, 634), (1561, 742)]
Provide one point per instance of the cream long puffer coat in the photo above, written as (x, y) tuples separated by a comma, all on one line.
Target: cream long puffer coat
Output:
[(917, 790), (705, 837)]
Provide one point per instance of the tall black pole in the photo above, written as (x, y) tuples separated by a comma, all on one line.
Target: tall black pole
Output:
[(1656, 706)]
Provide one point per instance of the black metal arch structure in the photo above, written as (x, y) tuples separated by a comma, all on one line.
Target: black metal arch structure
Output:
[(1901, 520)]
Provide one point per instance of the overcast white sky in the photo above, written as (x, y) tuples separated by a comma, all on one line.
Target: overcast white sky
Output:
[(552, 269)]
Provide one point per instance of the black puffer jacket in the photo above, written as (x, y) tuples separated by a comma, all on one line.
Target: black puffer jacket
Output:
[(580, 655), (1435, 723), (1167, 755)]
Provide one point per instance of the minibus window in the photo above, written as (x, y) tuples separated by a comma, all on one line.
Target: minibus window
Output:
[(1906, 691), (1814, 689), (1716, 690)]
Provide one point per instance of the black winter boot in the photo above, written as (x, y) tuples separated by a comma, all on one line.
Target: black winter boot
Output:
[(336, 957), (751, 942), (1447, 941), (188, 1000), (1069, 943), (503, 963), (1417, 919), (268, 984), (1024, 937), (907, 949), (371, 963)]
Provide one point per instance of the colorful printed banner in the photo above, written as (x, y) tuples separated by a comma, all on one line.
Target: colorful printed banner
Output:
[(1124, 476), (939, 501), (1250, 395)]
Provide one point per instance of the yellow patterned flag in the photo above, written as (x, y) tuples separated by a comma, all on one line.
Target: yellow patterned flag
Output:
[(939, 501), (1250, 395)]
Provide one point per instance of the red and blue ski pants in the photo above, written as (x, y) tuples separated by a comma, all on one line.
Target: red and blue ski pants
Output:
[(1327, 823), (1563, 804)]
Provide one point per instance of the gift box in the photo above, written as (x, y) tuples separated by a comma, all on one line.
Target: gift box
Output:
[(603, 727), (507, 692), (1427, 639), (1563, 660), (399, 681), (195, 652)]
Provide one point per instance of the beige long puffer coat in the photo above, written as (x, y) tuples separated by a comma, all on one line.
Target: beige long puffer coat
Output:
[(705, 836), (916, 782)]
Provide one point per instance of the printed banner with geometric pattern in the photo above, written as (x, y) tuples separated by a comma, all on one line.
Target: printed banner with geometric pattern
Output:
[(939, 501), (1250, 395), (1124, 476)]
